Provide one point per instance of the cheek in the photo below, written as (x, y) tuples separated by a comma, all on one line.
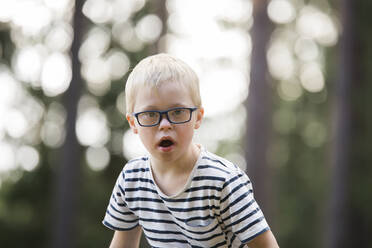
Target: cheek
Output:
[(186, 134), (145, 136)]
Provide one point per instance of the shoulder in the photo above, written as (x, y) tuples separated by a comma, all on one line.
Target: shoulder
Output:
[(212, 164), (135, 173), (136, 164), (135, 168)]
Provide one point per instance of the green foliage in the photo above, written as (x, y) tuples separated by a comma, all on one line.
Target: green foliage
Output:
[(25, 208)]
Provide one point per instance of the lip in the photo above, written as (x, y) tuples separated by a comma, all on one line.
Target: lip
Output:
[(168, 148)]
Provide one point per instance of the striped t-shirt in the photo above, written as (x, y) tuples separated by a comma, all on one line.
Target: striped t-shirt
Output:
[(216, 208)]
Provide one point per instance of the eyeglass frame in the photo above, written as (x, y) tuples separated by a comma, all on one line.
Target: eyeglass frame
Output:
[(161, 113)]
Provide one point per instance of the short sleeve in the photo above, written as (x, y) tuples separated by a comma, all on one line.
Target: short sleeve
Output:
[(239, 211), (118, 216)]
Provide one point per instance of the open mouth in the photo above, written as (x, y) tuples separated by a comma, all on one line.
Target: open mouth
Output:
[(166, 143)]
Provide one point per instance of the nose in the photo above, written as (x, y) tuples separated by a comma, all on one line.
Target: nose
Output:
[(164, 122)]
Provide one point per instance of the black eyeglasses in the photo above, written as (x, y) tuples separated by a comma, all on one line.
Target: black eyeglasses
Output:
[(174, 115)]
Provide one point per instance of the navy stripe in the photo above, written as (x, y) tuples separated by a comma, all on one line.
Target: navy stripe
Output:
[(183, 234), (150, 210), (121, 204), (195, 218), (174, 223), (161, 232), (121, 189), (120, 219), (137, 170), (117, 228), (141, 189), (250, 225), (168, 240), (232, 239), (157, 221), (204, 188), (201, 198), (120, 212), (234, 190), (232, 180), (138, 159), (239, 211), (214, 160), (131, 199), (236, 201), (201, 178), (145, 180), (244, 218), (194, 208), (213, 167), (245, 241), (219, 244)]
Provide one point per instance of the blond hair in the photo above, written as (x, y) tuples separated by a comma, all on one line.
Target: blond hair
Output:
[(156, 70)]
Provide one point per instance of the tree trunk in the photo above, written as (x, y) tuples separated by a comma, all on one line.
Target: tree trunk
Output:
[(338, 228), (158, 7), (68, 173), (259, 107)]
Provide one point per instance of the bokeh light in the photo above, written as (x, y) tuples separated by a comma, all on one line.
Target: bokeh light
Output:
[(313, 23), (314, 134), (31, 16), (98, 11), (15, 123), (149, 28), (281, 11), (27, 63), (97, 158), (56, 74), (306, 49), (92, 129), (8, 158), (280, 60), (27, 157), (132, 146), (59, 38), (118, 63), (312, 78)]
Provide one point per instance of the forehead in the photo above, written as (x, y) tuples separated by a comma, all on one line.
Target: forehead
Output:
[(163, 96)]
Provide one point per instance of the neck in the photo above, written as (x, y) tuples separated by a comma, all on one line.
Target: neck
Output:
[(183, 165)]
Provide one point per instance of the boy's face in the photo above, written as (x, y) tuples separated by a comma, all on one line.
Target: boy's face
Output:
[(166, 142)]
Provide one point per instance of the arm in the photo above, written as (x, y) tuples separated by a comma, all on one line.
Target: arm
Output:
[(264, 240), (126, 239)]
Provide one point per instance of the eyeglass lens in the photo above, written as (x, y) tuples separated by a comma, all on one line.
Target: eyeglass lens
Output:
[(174, 116)]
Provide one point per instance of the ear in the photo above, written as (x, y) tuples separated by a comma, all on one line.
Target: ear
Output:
[(132, 123), (199, 117)]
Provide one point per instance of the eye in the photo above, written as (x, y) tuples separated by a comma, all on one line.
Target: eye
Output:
[(149, 115), (152, 114), (178, 112)]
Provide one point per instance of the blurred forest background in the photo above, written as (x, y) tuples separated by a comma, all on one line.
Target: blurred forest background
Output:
[(286, 85)]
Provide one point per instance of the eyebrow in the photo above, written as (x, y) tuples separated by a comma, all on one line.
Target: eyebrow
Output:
[(151, 107)]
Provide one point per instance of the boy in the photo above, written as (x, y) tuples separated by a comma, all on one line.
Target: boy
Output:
[(180, 195)]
